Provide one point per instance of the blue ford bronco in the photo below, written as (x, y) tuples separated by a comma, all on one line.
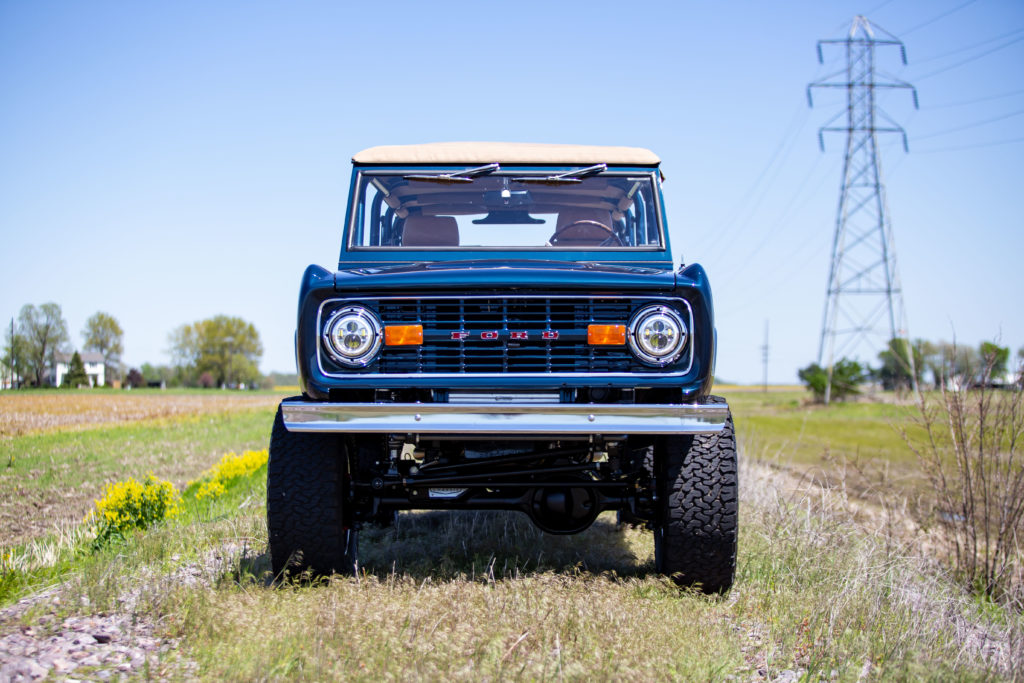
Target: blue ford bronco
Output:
[(506, 331)]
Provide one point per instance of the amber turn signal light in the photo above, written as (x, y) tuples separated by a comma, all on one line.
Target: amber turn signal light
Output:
[(403, 335), (606, 335)]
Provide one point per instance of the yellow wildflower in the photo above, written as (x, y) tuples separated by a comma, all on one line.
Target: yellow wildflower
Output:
[(230, 467), (128, 505)]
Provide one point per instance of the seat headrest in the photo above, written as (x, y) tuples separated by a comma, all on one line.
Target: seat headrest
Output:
[(570, 216), (430, 231), (583, 234)]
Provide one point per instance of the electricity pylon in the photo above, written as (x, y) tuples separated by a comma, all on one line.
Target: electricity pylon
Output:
[(864, 299)]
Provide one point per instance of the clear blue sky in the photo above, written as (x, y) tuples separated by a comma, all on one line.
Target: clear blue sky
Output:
[(166, 162)]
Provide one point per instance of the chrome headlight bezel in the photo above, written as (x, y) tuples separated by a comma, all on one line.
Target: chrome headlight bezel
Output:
[(638, 335), (366, 352)]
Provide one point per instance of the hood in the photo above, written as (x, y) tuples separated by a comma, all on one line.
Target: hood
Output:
[(513, 275)]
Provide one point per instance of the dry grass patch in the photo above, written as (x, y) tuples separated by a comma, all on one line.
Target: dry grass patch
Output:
[(30, 412), (540, 625)]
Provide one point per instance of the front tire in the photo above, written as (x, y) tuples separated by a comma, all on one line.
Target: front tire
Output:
[(308, 525), (698, 505)]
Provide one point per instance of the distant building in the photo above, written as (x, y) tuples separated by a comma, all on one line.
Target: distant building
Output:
[(8, 379), (92, 361)]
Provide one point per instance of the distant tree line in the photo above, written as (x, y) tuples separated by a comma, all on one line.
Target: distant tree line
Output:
[(40, 335), (222, 351), (935, 364)]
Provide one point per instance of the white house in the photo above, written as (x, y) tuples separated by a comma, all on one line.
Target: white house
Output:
[(92, 361), (7, 378)]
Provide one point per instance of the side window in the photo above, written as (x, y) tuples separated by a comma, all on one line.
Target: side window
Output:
[(375, 220), (641, 225)]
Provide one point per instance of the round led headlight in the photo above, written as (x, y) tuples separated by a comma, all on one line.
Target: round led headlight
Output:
[(657, 335), (352, 336)]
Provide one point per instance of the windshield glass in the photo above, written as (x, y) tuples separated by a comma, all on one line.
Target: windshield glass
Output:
[(486, 208)]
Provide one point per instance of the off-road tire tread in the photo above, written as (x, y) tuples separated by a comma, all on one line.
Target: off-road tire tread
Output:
[(306, 503), (695, 541)]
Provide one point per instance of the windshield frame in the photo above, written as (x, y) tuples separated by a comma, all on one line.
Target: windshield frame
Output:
[(650, 254)]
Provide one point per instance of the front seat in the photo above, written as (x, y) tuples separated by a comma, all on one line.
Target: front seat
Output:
[(430, 231), (583, 227)]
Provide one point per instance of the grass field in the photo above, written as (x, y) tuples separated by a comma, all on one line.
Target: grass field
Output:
[(66, 446), (486, 596), (790, 429)]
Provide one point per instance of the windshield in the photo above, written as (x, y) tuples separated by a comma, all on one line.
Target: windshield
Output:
[(491, 208)]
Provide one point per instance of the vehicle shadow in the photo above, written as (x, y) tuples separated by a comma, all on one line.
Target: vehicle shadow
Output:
[(478, 545), (490, 545)]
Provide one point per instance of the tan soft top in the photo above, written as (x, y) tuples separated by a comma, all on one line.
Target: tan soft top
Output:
[(505, 152)]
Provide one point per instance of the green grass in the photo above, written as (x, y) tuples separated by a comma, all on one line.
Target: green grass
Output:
[(53, 477), (789, 429)]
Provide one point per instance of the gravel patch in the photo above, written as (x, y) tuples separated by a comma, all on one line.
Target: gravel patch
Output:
[(121, 645)]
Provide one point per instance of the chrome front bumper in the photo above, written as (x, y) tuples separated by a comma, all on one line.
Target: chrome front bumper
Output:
[(519, 419)]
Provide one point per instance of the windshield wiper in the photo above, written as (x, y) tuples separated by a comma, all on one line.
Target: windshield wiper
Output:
[(454, 177), (574, 176)]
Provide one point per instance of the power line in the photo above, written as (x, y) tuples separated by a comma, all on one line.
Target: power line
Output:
[(759, 189), (787, 275), (934, 19), (969, 47), (740, 265), (976, 101), (971, 125), (979, 145), (970, 59), (874, 9), (742, 211)]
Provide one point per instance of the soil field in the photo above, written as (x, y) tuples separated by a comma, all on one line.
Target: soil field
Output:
[(29, 412)]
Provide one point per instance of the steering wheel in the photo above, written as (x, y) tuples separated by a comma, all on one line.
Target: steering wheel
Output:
[(581, 226)]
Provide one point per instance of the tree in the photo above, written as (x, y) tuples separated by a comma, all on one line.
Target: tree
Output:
[(103, 334), (895, 372), (994, 359), (134, 379), (846, 376), (75, 376), (161, 374), (228, 348), (45, 331), (955, 365), (14, 357)]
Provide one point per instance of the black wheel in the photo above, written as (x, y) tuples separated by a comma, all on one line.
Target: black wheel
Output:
[(698, 505), (307, 520)]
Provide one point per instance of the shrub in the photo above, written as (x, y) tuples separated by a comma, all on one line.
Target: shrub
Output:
[(214, 481), (76, 376), (134, 379), (846, 376), (971, 452), (129, 505)]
